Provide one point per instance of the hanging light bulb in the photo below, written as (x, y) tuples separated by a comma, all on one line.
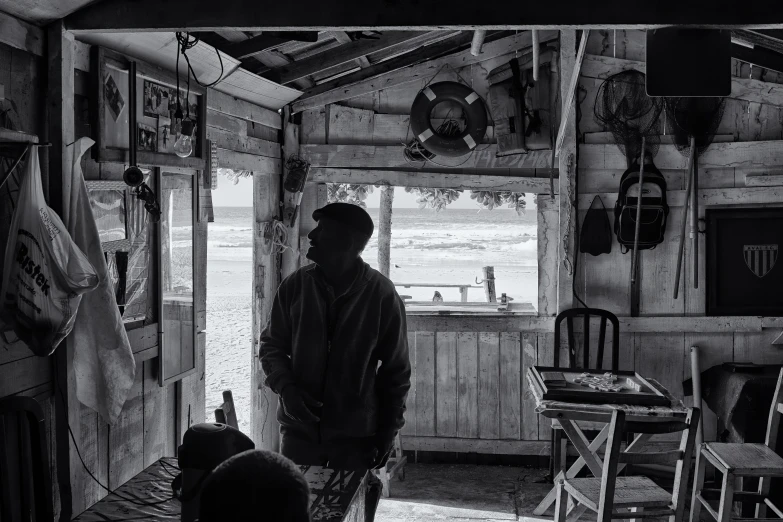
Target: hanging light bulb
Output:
[(183, 147)]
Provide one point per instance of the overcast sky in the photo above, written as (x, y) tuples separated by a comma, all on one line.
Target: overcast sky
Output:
[(241, 195)]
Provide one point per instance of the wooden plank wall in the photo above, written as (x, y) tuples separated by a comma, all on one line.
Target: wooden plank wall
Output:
[(22, 76), (662, 355), (468, 389)]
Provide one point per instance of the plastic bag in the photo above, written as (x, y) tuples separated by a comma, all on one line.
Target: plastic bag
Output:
[(44, 272)]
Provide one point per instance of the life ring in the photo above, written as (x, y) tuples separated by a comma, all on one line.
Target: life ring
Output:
[(472, 106)]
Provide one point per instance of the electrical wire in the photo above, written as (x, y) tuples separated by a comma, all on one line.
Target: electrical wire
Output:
[(185, 42), (79, 454)]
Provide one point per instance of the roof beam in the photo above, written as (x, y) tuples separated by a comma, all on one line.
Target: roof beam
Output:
[(343, 54), (251, 15), (266, 41), (759, 57), (760, 39), (414, 66)]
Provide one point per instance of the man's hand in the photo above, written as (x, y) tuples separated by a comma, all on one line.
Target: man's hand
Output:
[(297, 404), (384, 444)]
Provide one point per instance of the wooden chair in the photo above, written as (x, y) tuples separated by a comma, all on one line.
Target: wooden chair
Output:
[(613, 497), (395, 466), (737, 460), (557, 458), (226, 413), (25, 477)]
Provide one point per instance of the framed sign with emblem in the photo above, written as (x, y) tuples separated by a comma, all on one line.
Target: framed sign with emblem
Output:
[(744, 271)]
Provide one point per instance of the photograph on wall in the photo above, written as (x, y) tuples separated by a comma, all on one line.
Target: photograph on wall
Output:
[(147, 137), (166, 136), (114, 99), (159, 100)]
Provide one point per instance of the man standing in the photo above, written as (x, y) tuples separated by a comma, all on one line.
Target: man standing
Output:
[(335, 350)]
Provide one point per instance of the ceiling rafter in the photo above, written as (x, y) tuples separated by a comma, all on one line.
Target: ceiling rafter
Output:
[(343, 53)]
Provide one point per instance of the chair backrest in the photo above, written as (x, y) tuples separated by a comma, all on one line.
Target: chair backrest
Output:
[(681, 457), (586, 314), (775, 411), (25, 477), (226, 413)]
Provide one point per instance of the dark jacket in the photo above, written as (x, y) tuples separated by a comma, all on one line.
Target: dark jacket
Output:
[(330, 348)]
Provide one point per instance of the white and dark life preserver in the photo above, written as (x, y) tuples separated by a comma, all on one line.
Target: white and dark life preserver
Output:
[(472, 107)]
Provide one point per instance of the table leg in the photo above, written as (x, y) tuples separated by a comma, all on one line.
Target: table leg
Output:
[(576, 467)]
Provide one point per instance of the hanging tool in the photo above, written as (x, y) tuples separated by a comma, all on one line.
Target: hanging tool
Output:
[(685, 216), (635, 254), (536, 55)]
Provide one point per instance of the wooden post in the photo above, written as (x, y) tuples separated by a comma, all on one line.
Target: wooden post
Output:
[(536, 53), (60, 133), (567, 166), (384, 230), (290, 148), (264, 425), (489, 284)]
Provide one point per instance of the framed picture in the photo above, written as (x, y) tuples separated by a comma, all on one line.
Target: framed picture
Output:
[(109, 203), (744, 275), (155, 106)]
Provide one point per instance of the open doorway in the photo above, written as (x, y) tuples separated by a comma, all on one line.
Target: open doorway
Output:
[(229, 287)]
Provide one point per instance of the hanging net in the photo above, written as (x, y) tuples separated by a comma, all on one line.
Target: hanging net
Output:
[(623, 106), (694, 116)]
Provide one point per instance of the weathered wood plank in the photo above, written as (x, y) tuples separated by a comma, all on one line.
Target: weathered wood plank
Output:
[(240, 143), (472, 323), (231, 159), (489, 385), (158, 429), (425, 383), (290, 257), (424, 70), (402, 178), (511, 378), (227, 104), (529, 418), (409, 429), (23, 374), (126, 436), (707, 197), (344, 53), (757, 347), (547, 238), (658, 269), (569, 65), (13, 352), (21, 35), (467, 393), (375, 156), (481, 446), (748, 154), (741, 88), (546, 357), (226, 122), (606, 137), (446, 384), (191, 394)]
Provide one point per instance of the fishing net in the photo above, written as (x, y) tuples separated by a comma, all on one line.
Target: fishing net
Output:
[(623, 106), (694, 116)]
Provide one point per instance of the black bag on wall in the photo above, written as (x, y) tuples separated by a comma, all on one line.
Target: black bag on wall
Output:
[(596, 235), (655, 210)]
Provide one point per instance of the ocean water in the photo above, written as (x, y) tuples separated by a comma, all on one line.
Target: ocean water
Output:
[(427, 247)]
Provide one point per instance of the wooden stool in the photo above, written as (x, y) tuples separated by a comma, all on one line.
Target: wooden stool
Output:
[(394, 466), (737, 460)]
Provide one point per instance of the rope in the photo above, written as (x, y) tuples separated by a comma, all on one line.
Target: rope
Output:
[(279, 238)]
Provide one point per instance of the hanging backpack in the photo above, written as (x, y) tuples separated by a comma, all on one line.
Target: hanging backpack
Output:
[(654, 208)]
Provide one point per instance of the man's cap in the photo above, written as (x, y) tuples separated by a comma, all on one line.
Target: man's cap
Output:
[(352, 216)]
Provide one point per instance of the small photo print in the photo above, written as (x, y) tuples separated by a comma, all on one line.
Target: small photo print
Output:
[(148, 137), (166, 137), (114, 99), (159, 100)]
